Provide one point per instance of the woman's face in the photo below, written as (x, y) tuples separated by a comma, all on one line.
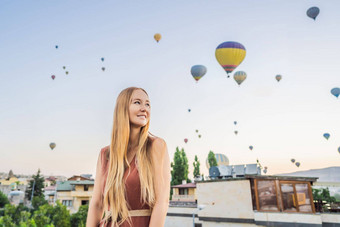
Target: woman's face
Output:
[(139, 110)]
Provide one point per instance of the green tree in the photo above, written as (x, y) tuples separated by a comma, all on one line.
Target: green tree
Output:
[(3, 200), (212, 159), (61, 216), (38, 201), (323, 195), (42, 216), (79, 219), (196, 164), (38, 182), (13, 213), (180, 167)]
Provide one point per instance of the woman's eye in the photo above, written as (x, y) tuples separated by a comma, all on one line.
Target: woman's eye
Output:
[(148, 104), (137, 102)]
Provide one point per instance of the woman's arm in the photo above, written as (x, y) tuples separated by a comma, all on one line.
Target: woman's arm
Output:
[(162, 172), (96, 203)]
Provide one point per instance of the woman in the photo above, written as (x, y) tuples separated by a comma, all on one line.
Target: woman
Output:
[(132, 184)]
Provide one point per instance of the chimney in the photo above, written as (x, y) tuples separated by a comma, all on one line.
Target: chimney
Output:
[(184, 181)]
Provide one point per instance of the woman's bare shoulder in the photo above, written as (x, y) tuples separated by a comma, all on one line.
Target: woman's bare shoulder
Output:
[(156, 143), (105, 152)]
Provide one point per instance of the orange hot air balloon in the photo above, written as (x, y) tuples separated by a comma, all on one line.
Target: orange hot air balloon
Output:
[(157, 37)]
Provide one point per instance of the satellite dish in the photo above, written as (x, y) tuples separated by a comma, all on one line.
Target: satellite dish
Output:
[(214, 172)]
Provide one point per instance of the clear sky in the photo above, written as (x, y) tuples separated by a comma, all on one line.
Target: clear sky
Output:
[(281, 120)]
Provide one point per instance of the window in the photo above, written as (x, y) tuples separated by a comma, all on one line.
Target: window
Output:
[(84, 202), (86, 187), (296, 197), (286, 196), (67, 203), (183, 191), (267, 197)]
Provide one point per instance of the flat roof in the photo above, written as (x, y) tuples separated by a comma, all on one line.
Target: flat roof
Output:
[(263, 177)]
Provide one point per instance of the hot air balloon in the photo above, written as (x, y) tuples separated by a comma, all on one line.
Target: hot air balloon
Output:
[(64, 67), (53, 76), (229, 55), (52, 145), (56, 46), (292, 160), (198, 71), (265, 171), (199, 136), (297, 164), (265, 167), (157, 37), (239, 77), (66, 72), (221, 159), (235, 122), (278, 78), (103, 68), (185, 140), (251, 148), (235, 132), (339, 149), (102, 59), (326, 135), (313, 12), (196, 130), (189, 110), (335, 91)]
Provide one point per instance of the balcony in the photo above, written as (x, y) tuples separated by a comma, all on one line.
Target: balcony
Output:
[(81, 193), (183, 197)]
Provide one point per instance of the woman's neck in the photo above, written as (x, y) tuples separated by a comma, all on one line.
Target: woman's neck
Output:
[(133, 139)]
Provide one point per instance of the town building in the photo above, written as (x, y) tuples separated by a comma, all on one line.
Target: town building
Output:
[(74, 193), (249, 200)]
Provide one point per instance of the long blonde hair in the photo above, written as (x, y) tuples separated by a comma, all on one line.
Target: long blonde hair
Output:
[(114, 192)]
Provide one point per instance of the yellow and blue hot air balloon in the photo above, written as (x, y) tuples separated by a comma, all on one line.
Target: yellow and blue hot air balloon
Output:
[(198, 71), (229, 55), (239, 77)]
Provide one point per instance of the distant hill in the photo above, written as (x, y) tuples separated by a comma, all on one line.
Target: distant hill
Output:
[(329, 174)]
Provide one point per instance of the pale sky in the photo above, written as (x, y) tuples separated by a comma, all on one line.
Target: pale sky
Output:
[(280, 120)]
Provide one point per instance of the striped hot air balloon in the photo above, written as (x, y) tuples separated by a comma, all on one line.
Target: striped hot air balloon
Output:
[(198, 71), (221, 160), (229, 55), (239, 77)]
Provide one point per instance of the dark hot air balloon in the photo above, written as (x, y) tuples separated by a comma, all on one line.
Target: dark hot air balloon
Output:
[(52, 145), (313, 12), (53, 77)]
